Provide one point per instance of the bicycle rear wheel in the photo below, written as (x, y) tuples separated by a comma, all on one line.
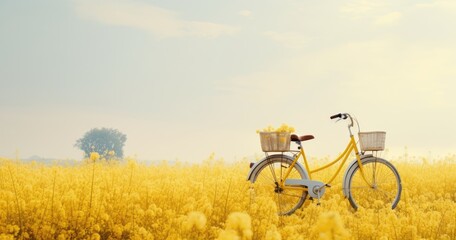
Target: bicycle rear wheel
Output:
[(381, 184), (266, 182)]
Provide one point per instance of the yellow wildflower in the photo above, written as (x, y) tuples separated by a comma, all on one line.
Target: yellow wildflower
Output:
[(196, 220), (238, 226), (282, 128), (94, 156)]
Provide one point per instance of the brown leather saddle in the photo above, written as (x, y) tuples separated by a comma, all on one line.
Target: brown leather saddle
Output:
[(296, 138)]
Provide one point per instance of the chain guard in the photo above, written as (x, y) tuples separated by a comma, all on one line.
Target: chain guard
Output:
[(316, 189)]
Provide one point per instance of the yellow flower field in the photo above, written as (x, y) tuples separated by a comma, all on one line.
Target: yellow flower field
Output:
[(130, 200)]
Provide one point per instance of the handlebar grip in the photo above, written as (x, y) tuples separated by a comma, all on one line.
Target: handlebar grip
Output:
[(336, 116)]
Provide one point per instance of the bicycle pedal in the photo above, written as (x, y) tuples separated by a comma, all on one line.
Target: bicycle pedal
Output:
[(327, 185)]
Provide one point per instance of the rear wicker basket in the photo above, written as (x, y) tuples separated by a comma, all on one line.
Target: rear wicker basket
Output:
[(275, 141), (372, 141)]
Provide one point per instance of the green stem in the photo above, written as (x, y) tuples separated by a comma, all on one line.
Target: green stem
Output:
[(91, 189), (17, 197), (227, 196), (52, 199)]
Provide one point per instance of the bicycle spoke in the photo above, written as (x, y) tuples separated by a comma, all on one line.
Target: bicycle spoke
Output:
[(385, 184), (292, 195), (269, 181), (271, 168), (361, 187), (374, 172), (386, 193), (279, 206)]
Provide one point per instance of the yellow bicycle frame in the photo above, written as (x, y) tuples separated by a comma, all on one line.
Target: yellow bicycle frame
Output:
[(351, 147)]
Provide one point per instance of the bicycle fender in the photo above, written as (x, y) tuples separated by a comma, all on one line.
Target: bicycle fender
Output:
[(252, 170), (349, 169), (257, 166)]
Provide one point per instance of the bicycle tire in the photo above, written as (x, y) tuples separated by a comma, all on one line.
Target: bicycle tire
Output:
[(266, 179), (384, 180)]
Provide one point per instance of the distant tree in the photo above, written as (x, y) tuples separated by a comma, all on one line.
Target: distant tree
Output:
[(107, 142)]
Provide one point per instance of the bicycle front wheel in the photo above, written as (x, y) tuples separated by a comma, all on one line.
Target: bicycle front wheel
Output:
[(381, 184), (267, 182)]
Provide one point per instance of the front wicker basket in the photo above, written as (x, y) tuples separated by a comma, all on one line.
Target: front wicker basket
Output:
[(275, 141), (372, 141)]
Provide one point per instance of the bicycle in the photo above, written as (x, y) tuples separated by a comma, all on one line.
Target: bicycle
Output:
[(367, 179)]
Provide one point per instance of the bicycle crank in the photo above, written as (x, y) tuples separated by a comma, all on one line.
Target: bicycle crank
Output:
[(316, 189)]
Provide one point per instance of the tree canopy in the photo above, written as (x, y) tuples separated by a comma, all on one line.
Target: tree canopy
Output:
[(107, 142)]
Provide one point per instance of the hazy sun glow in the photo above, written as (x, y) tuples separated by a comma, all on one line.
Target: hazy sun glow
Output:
[(183, 80)]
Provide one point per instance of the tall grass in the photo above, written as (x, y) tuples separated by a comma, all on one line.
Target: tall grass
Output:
[(130, 200)]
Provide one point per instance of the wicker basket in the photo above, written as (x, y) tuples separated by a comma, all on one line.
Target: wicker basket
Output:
[(372, 141), (275, 141)]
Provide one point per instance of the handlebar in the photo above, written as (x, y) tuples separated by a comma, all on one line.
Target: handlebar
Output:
[(339, 115), (344, 116)]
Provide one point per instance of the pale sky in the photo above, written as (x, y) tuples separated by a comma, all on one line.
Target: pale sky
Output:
[(183, 79)]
